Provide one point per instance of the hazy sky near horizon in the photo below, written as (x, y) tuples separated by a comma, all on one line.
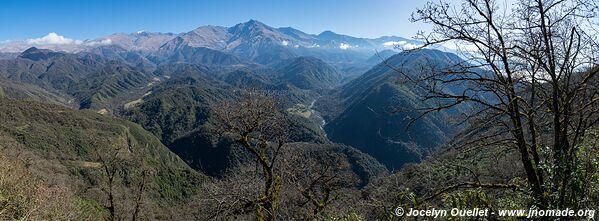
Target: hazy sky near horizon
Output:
[(88, 19)]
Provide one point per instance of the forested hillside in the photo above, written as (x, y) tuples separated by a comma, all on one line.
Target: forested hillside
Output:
[(493, 108)]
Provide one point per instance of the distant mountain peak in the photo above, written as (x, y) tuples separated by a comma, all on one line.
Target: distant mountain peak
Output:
[(32, 49), (254, 22), (250, 25), (209, 31), (253, 30), (37, 54), (327, 32)]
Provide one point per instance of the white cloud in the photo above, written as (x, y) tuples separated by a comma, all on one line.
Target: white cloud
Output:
[(404, 45), (53, 39), (313, 46), (285, 42), (460, 47), (394, 43), (344, 46), (410, 46), (96, 43)]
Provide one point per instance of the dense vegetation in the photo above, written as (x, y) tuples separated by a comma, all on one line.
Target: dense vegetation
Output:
[(253, 122), (75, 153), (377, 108)]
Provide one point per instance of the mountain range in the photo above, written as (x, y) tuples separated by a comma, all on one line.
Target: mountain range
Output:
[(158, 91), (170, 82), (251, 40)]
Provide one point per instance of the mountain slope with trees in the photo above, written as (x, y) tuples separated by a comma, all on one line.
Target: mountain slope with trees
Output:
[(111, 167), (376, 110)]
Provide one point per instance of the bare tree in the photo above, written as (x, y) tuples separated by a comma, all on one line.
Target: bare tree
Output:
[(257, 125), (145, 173), (230, 197), (319, 174), (318, 183), (115, 164), (527, 80), (109, 162)]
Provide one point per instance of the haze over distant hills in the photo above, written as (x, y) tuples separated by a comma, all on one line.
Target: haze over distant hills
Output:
[(252, 40)]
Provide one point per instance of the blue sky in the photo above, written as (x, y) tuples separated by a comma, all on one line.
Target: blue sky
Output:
[(88, 19)]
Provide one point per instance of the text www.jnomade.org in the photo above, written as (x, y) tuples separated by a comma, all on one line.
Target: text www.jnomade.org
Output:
[(478, 212)]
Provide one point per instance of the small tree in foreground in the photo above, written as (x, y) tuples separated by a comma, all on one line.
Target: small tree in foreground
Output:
[(256, 124), (114, 164)]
